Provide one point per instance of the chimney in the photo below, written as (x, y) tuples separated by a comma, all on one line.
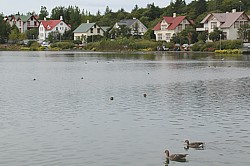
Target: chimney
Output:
[(174, 15), (234, 11), (87, 21), (61, 18)]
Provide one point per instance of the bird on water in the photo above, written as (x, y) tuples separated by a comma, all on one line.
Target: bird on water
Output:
[(194, 144), (175, 157)]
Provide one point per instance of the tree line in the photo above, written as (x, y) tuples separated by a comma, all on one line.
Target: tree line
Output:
[(149, 15)]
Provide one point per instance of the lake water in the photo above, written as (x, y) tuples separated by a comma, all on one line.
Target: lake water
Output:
[(55, 109)]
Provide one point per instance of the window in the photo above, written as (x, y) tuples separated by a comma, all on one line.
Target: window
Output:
[(213, 25), (225, 35), (186, 26), (159, 35), (179, 27), (168, 36), (236, 24), (163, 27)]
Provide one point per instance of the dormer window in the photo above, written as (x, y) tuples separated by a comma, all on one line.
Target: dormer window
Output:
[(163, 27)]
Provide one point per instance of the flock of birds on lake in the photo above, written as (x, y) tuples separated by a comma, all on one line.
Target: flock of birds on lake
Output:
[(182, 157)]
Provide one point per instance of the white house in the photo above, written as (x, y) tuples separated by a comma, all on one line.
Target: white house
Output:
[(169, 26), (134, 25), (23, 22), (48, 26), (88, 29), (229, 23)]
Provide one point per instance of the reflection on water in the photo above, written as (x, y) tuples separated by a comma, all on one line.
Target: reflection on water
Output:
[(62, 119)]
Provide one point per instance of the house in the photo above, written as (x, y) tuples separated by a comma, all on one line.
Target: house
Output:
[(169, 26), (85, 30), (135, 25), (23, 22), (229, 23), (48, 26)]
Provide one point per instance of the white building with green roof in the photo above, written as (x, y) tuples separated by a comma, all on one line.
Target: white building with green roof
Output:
[(23, 22), (85, 30)]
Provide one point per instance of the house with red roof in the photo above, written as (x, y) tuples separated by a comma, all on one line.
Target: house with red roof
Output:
[(169, 26), (23, 22), (48, 26), (228, 23)]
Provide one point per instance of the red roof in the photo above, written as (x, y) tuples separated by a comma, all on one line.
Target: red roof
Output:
[(50, 24), (172, 21)]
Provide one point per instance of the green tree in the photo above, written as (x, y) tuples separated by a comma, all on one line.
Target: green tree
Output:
[(32, 33), (135, 30), (57, 12), (179, 6), (216, 35), (202, 36), (244, 32), (149, 34), (201, 7), (43, 13), (4, 30), (54, 36), (14, 34)]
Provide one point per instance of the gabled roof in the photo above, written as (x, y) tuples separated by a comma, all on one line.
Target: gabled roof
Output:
[(84, 27), (226, 19), (24, 18), (172, 21), (105, 28), (50, 24), (127, 22)]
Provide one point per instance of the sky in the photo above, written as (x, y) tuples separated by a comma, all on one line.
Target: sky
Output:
[(8, 7)]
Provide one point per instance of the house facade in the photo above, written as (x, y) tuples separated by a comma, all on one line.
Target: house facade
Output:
[(228, 23), (135, 25), (48, 26), (85, 30), (23, 22), (169, 26)]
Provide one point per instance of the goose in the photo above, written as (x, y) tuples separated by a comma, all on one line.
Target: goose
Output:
[(175, 157), (194, 144)]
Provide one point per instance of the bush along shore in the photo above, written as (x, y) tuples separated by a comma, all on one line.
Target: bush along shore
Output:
[(129, 45)]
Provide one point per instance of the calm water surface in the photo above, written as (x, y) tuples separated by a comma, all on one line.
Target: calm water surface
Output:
[(61, 119)]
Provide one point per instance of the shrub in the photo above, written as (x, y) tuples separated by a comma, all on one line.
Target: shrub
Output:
[(63, 45)]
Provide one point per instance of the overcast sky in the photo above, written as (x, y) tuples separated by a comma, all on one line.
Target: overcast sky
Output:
[(8, 7)]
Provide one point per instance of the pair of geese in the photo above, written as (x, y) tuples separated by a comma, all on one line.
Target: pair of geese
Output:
[(182, 157)]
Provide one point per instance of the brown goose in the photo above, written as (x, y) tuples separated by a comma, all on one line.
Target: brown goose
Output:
[(175, 157), (194, 144)]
